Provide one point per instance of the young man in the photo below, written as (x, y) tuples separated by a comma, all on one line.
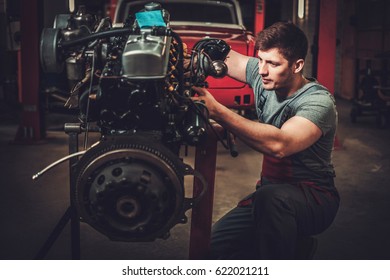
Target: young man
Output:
[(295, 196)]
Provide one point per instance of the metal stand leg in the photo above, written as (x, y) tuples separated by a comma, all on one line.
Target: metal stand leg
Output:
[(205, 163), (73, 131), (53, 236)]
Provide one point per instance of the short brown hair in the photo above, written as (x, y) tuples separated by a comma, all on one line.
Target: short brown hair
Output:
[(289, 39)]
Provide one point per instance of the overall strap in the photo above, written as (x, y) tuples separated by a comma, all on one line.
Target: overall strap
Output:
[(287, 112)]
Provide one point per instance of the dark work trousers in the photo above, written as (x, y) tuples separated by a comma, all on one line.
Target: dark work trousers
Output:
[(269, 222)]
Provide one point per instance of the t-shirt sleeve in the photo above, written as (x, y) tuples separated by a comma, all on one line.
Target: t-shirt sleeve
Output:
[(252, 70), (319, 108)]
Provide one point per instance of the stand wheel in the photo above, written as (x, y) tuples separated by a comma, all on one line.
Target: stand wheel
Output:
[(381, 120), (353, 114)]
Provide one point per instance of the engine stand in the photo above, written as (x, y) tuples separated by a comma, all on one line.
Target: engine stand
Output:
[(72, 130), (201, 220)]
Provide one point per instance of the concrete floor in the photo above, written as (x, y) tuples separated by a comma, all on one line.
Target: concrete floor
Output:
[(29, 210)]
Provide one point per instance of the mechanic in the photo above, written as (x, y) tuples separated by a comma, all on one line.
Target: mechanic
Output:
[(296, 195)]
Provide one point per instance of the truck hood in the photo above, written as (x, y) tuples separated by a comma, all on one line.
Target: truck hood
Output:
[(239, 39)]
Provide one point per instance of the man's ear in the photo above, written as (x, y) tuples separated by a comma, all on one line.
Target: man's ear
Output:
[(298, 65)]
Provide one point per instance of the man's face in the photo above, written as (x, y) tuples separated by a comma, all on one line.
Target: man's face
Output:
[(275, 70)]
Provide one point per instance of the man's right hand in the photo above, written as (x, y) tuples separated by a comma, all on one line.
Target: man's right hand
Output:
[(208, 99)]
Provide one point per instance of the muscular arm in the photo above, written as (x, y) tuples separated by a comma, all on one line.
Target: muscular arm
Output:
[(295, 135), (236, 64)]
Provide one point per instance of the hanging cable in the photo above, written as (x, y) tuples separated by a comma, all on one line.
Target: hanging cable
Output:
[(88, 101)]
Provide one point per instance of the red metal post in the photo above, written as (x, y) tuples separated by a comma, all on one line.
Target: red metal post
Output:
[(30, 126), (327, 48), (112, 8), (259, 15), (201, 220), (327, 44)]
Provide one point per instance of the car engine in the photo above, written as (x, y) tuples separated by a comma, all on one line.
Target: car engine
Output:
[(132, 84)]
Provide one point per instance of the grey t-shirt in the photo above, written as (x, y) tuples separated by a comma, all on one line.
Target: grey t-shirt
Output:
[(313, 102)]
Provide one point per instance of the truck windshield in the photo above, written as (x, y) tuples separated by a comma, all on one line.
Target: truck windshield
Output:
[(197, 11)]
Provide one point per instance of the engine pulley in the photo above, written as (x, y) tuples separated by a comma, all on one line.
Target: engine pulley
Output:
[(49, 53)]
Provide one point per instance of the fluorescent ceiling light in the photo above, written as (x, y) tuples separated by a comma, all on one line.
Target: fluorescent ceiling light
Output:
[(301, 9)]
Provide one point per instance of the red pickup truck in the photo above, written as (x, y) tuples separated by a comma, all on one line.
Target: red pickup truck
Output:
[(194, 20)]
